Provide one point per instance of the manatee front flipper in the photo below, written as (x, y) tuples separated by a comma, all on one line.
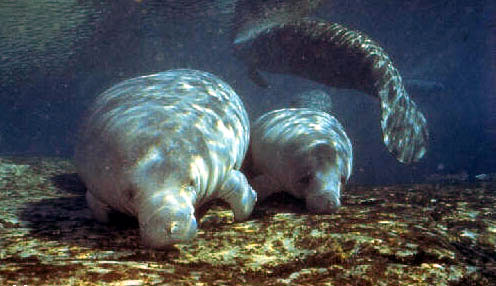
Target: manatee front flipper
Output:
[(257, 78), (238, 193), (99, 209), (337, 56), (265, 186)]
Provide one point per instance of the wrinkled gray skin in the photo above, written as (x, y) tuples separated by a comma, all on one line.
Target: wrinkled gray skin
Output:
[(301, 151), (159, 147)]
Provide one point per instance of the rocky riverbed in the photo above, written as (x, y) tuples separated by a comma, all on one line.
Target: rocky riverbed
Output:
[(423, 234)]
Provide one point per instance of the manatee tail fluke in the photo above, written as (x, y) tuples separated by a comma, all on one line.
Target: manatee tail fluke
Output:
[(369, 68), (404, 127)]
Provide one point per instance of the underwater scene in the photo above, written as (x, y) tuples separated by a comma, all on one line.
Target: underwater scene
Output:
[(247, 142)]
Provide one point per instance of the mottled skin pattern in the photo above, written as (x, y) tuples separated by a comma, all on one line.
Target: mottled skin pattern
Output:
[(337, 56), (301, 151), (160, 146)]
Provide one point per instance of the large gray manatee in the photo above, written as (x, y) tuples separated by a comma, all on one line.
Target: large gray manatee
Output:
[(160, 146), (302, 151)]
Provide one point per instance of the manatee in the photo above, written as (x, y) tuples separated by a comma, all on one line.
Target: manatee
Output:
[(159, 147), (254, 16), (302, 151), (315, 99), (425, 86), (334, 55)]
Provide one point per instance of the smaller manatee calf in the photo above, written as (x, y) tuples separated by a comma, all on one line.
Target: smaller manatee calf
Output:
[(159, 147), (302, 151)]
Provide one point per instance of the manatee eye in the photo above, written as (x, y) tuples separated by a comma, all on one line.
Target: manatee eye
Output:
[(305, 180)]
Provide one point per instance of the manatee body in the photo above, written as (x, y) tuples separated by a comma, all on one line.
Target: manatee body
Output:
[(160, 146), (334, 55), (315, 99), (302, 151), (254, 16)]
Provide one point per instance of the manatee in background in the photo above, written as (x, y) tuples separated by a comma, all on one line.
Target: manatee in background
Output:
[(254, 16), (302, 151), (158, 147), (315, 99), (334, 55)]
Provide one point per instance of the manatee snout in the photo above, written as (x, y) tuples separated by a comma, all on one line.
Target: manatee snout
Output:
[(325, 194), (163, 226), (323, 203)]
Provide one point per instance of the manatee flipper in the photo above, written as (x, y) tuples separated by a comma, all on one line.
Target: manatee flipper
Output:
[(425, 86), (334, 55), (264, 186), (99, 209), (237, 192), (257, 78)]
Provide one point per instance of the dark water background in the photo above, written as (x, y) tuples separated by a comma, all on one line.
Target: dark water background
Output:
[(55, 60)]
